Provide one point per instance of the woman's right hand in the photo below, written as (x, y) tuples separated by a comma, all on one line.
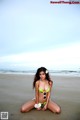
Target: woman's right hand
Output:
[(38, 106)]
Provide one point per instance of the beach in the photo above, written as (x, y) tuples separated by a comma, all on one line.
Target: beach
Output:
[(16, 89)]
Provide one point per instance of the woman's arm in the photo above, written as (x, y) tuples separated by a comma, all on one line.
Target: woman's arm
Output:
[(49, 93), (37, 92)]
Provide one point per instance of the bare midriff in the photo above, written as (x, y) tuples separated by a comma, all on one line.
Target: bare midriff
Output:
[(41, 99)]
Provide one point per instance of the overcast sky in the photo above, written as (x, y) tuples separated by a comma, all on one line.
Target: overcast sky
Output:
[(35, 33)]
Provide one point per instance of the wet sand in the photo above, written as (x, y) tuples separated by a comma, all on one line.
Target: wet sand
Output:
[(16, 89)]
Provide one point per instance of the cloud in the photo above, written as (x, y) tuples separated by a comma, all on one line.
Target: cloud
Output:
[(54, 58)]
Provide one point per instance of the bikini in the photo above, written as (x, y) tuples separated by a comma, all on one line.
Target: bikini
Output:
[(44, 91)]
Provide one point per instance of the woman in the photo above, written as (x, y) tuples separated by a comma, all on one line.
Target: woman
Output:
[(42, 84)]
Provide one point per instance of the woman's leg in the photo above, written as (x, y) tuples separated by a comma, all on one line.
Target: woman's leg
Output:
[(54, 107), (28, 106)]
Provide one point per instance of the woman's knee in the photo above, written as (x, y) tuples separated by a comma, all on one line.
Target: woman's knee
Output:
[(58, 110), (23, 110)]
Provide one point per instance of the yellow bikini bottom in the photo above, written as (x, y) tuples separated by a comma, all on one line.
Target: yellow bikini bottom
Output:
[(43, 104)]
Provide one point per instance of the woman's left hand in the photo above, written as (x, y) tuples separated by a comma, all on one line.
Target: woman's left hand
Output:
[(45, 107)]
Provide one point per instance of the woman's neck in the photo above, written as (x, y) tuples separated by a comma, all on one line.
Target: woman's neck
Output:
[(43, 80)]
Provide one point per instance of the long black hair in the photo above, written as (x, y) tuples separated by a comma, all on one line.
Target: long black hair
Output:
[(37, 76)]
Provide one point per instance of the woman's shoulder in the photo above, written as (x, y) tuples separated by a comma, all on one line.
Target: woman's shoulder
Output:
[(51, 83), (37, 82)]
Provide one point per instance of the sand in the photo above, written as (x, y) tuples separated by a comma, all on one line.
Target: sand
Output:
[(16, 89)]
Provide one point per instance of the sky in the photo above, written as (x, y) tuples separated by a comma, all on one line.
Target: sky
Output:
[(36, 33)]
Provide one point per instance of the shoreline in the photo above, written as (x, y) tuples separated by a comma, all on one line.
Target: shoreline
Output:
[(51, 72), (32, 74)]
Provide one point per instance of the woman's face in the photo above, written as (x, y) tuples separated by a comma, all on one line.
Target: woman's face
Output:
[(42, 75)]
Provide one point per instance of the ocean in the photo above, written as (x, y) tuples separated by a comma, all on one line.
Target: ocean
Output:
[(51, 72)]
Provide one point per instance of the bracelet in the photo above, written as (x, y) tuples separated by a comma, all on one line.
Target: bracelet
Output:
[(37, 105)]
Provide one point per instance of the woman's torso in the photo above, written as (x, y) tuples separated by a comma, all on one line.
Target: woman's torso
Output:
[(44, 88)]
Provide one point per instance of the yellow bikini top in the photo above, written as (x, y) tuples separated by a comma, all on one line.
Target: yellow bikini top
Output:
[(41, 90)]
